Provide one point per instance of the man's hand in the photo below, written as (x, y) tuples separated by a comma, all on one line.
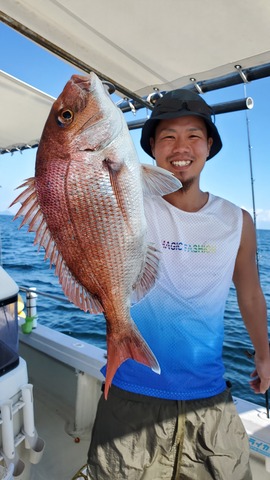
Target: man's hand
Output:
[(260, 376)]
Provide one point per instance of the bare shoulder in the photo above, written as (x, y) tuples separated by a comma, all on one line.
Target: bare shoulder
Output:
[(248, 237), (245, 265), (245, 276), (247, 219)]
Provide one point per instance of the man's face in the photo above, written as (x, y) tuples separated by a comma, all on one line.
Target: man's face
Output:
[(182, 147)]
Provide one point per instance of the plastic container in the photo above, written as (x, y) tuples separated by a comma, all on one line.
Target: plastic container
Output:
[(9, 340)]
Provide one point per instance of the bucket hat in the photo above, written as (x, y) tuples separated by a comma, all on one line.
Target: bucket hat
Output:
[(180, 103)]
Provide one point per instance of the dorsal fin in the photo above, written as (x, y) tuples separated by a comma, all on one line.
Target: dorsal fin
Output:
[(33, 216)]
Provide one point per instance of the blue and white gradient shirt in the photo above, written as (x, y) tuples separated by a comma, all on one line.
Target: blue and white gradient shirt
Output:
[(181, 318)]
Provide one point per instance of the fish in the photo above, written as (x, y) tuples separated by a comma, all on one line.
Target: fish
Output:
[(85, 204)]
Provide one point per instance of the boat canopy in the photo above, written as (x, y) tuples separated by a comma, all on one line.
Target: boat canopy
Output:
[(24, 110), (142, 46)]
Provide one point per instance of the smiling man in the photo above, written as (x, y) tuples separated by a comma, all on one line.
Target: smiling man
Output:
[(182, 424)]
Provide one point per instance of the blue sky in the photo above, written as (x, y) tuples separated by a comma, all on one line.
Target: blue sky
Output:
[(226, 175)]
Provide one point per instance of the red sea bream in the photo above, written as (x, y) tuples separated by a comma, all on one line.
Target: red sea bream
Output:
[(85, 204)]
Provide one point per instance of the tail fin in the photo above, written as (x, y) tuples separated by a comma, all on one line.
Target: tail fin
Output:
[(129, 345)]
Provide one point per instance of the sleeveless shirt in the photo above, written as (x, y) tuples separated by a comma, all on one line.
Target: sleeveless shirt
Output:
[(181, 318)]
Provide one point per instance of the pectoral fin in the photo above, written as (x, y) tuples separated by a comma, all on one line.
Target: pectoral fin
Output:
[(158, 181), (148, 276)]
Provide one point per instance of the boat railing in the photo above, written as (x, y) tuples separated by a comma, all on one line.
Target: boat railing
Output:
[(32, 290), (31, 302)]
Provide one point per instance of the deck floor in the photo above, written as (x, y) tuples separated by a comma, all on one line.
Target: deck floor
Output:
[(62, 457)]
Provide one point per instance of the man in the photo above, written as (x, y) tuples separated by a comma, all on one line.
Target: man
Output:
[(182, 424)]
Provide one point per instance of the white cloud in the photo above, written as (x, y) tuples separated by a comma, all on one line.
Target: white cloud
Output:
[(262, 217)]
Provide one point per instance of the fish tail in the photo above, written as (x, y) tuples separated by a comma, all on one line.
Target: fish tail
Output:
[(129, 345)]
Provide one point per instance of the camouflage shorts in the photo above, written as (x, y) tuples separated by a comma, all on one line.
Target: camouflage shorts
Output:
[(136, 437)]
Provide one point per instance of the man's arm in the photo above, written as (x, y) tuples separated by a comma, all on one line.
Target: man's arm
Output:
[(252, 304)]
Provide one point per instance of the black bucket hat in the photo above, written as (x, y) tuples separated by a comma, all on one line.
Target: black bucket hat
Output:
[(180, 103)]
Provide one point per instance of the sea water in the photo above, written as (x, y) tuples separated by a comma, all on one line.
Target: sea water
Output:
[(27, 267)]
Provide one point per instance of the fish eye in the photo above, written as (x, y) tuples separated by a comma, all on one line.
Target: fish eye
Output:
[(65, 117)]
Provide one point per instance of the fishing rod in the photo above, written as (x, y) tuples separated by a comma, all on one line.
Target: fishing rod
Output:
[(255, 224), (252, 185)]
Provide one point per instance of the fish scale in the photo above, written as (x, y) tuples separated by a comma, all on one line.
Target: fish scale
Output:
[(85, 204)]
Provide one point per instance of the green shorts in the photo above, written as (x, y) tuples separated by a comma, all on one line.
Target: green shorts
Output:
[(136, 437)]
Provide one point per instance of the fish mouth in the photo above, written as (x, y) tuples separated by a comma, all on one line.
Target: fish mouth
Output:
[(86, 86), (100, 101), (89, 83), (82, 82)]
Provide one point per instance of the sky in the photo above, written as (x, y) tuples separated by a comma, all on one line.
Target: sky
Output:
[(226, 175)]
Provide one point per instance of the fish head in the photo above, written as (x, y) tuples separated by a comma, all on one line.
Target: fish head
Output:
[(83, 118)]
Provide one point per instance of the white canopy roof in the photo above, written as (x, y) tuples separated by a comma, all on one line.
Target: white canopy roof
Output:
[(24, 110), (139, 45)]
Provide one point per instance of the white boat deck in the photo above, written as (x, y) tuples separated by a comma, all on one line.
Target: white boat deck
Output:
[(66, 378), (63, 455), (54, 465), (257, 426)]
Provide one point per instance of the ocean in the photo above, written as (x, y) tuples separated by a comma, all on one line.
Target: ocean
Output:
[(21, 259)]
